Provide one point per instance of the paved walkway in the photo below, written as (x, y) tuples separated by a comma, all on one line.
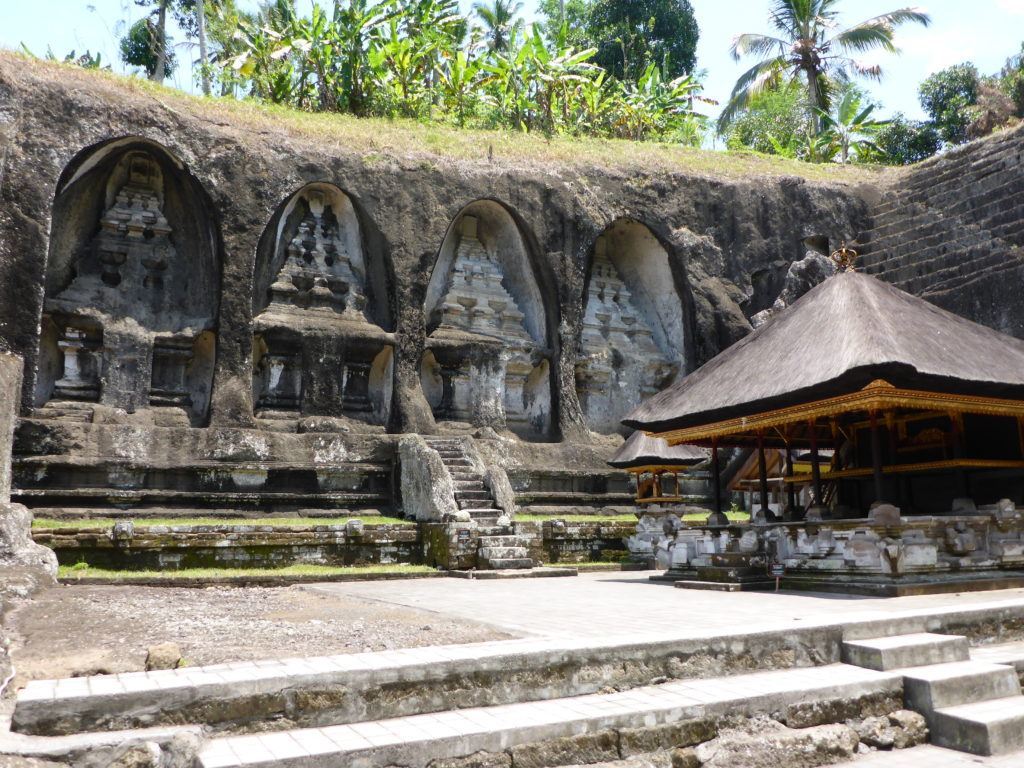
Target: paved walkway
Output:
[(610, 604), (932, 757)]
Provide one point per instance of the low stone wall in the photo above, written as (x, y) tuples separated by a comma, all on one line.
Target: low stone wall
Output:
[(558, 541), (129, 545), (233, 546), (884, 553)]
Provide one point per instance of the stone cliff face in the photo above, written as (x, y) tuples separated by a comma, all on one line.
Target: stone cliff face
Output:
[(152, 259)]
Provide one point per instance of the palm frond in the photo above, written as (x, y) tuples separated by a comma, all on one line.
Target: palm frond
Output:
[(761, 77), (866, 37), (757, 45)]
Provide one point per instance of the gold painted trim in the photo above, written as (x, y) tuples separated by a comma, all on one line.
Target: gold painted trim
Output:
[(924, 466), (879, 395)]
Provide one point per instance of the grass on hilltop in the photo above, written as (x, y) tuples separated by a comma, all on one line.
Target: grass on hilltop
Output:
[(283, 522), (380, 140), (84, 571)]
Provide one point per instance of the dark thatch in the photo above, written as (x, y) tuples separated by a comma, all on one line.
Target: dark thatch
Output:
[(838, 338), (641, 450)]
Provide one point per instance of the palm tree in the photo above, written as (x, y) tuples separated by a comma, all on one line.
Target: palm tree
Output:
[(807, 49), (499, 18)]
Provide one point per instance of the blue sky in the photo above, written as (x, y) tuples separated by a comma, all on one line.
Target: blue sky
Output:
[(983, 31)]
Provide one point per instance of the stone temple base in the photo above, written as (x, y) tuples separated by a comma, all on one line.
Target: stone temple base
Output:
[(880, 557)]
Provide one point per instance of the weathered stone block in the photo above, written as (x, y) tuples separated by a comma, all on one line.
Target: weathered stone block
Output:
[(568, 750), (476, 760), (807, 714), (634, 741)]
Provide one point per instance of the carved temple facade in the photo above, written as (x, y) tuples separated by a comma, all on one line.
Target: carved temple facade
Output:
[(133, 307)]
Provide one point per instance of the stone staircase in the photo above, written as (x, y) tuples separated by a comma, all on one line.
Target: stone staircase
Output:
[(499, 548), (971, 706), (951, 230)]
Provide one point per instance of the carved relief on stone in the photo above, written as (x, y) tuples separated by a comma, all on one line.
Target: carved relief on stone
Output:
[(80, 379), (477, 303), (619, 364), (280, 380), (171, 358), (317, 272), (134, 237)]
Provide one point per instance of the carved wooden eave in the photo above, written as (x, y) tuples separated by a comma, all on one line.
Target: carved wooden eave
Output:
[(879, 396)]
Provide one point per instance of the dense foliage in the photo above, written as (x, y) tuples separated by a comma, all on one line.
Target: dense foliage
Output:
[(422, 59)]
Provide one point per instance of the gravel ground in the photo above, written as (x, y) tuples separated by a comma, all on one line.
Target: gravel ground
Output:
[(78, 630)]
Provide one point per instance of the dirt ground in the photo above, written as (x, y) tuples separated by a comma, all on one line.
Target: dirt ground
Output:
[(78, 630)]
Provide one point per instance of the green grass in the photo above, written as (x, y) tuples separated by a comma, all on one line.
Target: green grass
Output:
[(77, 571), (106, 522), (696, 517), (586, 566), (604, 519), (384, 141)]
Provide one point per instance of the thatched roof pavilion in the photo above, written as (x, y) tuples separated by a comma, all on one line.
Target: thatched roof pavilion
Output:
[(657, 465), (641, 451), (893, 384)]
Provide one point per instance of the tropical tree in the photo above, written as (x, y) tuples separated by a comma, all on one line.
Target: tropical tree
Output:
[(500, 22), (775, 122), (904, 141), (948, 96), (654, 106), (850, 127), (574, 15), (633, 34), (805, 48), (146, 45)]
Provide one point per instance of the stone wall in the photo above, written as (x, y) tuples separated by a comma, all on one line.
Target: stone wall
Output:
[(951, 230)]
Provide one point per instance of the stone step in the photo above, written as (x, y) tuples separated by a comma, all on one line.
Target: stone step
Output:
[(472, 493), (475, 512), (898, 651), (508, 563), (416, 741), (465, 474), (493, 554), (991, 727), (507, 540), (929, 688)]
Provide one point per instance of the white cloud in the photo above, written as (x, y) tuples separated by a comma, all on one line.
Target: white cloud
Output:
[(1015, 7)]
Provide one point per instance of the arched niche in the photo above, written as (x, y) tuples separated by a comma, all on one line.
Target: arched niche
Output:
[(488, 327), (633, 339), (321, 310), (132, 286)]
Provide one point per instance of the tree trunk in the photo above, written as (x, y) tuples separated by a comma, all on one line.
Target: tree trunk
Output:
[(161, 43), (815, 98), (204, 72)]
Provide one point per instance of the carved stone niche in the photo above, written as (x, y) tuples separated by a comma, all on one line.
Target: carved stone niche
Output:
[(133, 262), (631, 344), (319, 348), (486, 361)]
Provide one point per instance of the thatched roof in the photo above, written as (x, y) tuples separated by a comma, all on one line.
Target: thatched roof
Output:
[(836, 339), (641, 450)]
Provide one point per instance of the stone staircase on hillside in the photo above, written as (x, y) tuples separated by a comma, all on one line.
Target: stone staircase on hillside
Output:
[(951, 221), (499, 547), (971, 706)]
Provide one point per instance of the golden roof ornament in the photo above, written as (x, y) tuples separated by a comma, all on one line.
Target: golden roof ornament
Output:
[(844, 258)]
